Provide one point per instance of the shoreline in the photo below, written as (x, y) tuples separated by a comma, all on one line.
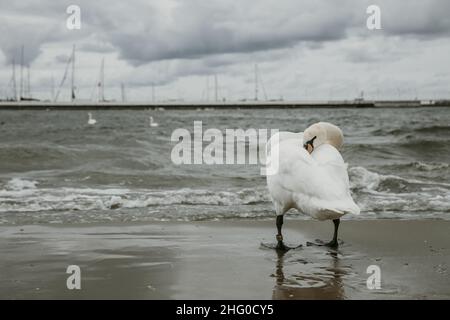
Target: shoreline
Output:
[(224, 260)]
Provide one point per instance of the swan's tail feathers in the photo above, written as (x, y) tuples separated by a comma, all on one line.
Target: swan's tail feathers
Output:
[(335, 210), (350, 209), (280, 208)]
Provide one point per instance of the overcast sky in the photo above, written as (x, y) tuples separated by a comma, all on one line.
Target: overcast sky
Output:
[(304, 49)]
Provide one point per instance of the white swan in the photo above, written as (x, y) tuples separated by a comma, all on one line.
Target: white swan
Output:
[(311, 177), (91, 120), (152, 122)]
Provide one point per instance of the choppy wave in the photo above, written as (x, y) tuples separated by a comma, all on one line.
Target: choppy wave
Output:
[(377, 193), (22, 195), (413, 143), (429, 166), (433, 129), (361, 178), (419, 167)]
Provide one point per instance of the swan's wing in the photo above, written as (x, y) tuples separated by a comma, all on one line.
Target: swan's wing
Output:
[(317, 183), (331, 161), (298, 171), (281, 136), (281, 196), (286, 135)]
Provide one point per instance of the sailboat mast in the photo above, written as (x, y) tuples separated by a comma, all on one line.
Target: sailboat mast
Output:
[(256, 82), (14, 79), (207, 88), (73, 75), (66, 71), (21, 74), (216, 88), (102, 75), (153, 92), (100, 85), (53, 88), (28, 82), (122, 88)]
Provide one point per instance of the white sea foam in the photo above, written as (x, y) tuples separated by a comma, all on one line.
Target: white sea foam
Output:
[(29, 198), (430, 166), (20, 184), (19, 197)]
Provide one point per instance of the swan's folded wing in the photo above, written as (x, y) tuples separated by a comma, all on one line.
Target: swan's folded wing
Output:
[(319, 183), (333, 164), (326, 153), (283, 149), (281, 136), (295, 166)]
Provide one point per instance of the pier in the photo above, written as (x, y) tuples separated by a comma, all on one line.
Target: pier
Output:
[(180, 105)]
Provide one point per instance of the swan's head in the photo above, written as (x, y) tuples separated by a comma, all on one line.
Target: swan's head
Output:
[(322, 133)]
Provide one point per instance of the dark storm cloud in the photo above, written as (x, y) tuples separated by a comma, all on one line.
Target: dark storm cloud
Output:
[(32, 24), (15, 35), (418, 18), (142, 31), (200, 29)]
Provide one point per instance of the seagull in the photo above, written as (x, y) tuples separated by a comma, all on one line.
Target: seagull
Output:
[(91, 120), (310, 176), (152, 123)]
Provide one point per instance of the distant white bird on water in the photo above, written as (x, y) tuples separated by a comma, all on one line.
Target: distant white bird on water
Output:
[(311, 177), (91, 120), (152, 122)]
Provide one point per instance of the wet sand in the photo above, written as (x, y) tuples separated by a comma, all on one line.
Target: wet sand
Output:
[(224, 260)]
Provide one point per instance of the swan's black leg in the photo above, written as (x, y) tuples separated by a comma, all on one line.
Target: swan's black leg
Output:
[(334, 243), (280, 244)]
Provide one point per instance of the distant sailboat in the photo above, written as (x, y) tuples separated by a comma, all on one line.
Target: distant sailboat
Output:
[(72, 83), (101, 83), (71, 62)]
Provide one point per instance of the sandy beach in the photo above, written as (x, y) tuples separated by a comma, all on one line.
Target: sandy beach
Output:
[(225, 260)]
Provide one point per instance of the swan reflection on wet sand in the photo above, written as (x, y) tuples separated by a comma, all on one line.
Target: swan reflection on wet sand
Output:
[(297, 278)]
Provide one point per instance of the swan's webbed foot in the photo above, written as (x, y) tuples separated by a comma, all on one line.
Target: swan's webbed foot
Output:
[(280, 244), (332, 244), (282, 247)]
